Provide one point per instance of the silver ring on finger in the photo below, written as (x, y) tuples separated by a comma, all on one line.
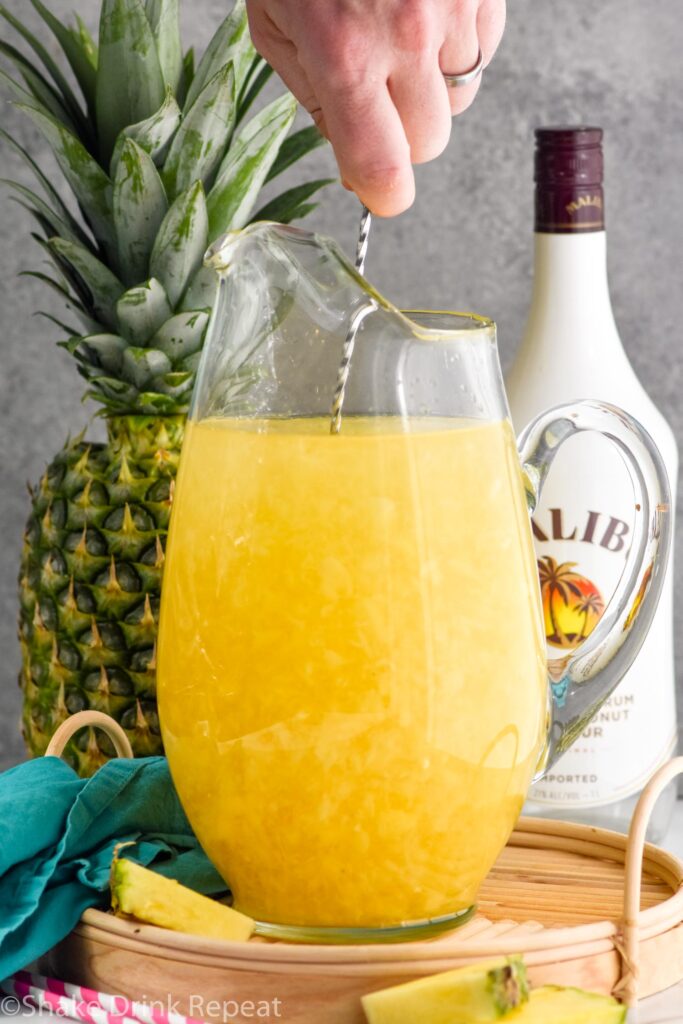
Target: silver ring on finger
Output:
[(457, 81)]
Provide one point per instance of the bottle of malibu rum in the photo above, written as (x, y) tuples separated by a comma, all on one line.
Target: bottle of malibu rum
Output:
[(583, 525)]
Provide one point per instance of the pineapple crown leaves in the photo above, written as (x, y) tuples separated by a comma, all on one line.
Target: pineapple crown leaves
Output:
[(162, 158)]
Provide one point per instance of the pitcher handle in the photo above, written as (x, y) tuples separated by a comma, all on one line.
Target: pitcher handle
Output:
[(581, 681)]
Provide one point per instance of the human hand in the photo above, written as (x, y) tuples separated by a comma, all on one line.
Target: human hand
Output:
[(370, 74)]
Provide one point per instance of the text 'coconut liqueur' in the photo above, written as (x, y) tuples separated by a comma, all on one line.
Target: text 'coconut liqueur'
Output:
[(584, 522)]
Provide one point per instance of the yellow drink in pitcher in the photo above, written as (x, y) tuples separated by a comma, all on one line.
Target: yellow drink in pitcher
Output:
[(352, 675)]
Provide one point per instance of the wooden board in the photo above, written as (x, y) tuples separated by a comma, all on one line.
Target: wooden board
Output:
[(556, 895)]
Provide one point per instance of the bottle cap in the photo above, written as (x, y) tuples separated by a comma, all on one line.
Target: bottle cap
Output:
[(569, 156), (569, 175)]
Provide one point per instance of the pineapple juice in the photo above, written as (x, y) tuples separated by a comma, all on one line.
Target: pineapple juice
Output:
[(351, 665)]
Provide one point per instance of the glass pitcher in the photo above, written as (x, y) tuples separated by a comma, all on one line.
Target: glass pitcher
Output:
[(353, 683)]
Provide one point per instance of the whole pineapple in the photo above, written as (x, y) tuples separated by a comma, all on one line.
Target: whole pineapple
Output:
[(161, 159)]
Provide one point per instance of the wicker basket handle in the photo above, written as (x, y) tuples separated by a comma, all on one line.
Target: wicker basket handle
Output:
[(628, 943), (83, 720)]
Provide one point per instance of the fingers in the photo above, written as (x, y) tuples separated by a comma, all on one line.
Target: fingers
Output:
[(281, 53), (332, 71), (370, 144), (423, 106), (459, 54), (370, 75), (490, 27), (461, 48)]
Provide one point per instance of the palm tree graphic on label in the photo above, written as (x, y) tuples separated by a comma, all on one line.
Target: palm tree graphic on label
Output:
[(572, 604), (590, 605)]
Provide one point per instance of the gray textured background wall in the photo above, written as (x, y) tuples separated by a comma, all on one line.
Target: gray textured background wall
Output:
[(465, 244)]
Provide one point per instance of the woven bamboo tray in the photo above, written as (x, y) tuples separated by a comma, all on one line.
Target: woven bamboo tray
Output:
[(585, 906)]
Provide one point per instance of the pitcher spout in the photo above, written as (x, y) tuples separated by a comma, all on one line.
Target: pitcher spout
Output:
[(262, 236), (285, 297), (220, 255)]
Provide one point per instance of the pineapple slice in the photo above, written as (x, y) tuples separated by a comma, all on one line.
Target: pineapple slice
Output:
[(162, 901), (483, 992), (568, 1006)]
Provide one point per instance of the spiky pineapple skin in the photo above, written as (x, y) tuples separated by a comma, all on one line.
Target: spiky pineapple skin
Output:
[(90, 583)]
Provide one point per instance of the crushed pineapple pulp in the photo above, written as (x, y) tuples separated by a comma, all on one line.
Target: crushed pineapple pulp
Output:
[(351, 662)]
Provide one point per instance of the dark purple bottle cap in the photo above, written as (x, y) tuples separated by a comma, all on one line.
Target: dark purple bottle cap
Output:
[(568, 175)]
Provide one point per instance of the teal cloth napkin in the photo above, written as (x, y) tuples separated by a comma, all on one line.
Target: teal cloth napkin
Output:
[(57, 836)]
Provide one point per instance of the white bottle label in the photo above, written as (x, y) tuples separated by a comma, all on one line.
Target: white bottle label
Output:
[(582, 532)]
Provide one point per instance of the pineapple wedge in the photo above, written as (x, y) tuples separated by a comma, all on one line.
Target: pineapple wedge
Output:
[(568, 1006), (162, 901), (469, 995)]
